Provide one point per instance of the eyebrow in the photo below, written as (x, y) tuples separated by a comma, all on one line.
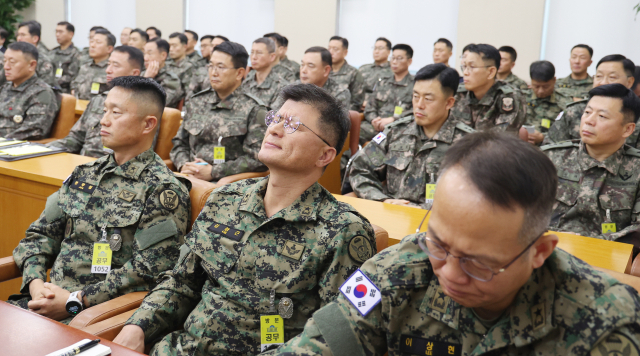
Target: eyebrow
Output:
[(484, 258)]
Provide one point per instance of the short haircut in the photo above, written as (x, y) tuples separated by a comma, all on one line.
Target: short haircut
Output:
[(33, 27), (144, 90), (334, 122), (181, 36), (630, 101), (404, 47), (4, 34), (193, 33), (221, 37), (136, 57), (489, 54), (509, 173), (207, 37), (271, 44), (588, 48), (92, 29), (448, 77), (163, 46), (345, 42), (278, 38), (158, 32), (239, 55), (386, 41), (68, 26), (285, 42), (111, 39), (325, 55), (542, 71), (627, 64), (445, 41), (512, 52), (142, 34), (28, 50), (636, 76)]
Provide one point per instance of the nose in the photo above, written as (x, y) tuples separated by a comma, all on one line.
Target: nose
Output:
[(452, 271)]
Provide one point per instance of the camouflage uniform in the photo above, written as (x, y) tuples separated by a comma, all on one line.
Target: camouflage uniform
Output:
[(90, 73), (291, 65), (42, 48), (545, 109), (338, 91), (502, 108), (45, 69), (382, 103), (141, 198), (223, 279), (406, 159), (171, 84), (268, 90), (199, 82), (515, 82), (27, 112), (67, 66), (589, 189), (567, 123), (238, 119), (565, 308), (184, 70), (372, 75), (284, 72), (351, 77), (575, 88), (84, 56), (195, 58)]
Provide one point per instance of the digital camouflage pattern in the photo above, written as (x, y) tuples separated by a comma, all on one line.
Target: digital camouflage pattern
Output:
[(372, 75), (90, 73), (223, 279), (238, 119), (199, 82), (84, 56), (141, 197), (383, 101), (184, 70), (27, 112), (501, 108), (565, 308), (587, 188), (351, 77), (515, 82), (45, 69), (406, 159), (284, 72), (567, 125), (291, 65), (171, 85), (67, 60), (548, 108), (195, 58), (575, 88), (268, 90)]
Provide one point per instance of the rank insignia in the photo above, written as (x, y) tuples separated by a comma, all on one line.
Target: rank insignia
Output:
[(82, 186), (440, 301), (126, 195), (226, 231), (537, 316), (507, 104), (293, 250), (169, 199), (360, 249)]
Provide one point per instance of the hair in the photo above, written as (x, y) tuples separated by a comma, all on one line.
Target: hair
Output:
[(68, 26), (28, 50), (92, 29), (345, 42), (33, 27), (207, 37), (193, 33), (627, 64), (181, 36), (508, 172), (111, 39), (239, 55), (142, 34), (404, 47), (448, 77), (589, 49), (636, 76), (489, 54), (271, 44), (325, 55), (285, 42), (278, 38), (386, 41), (4, 34), (221, 36), (136, 57), (542, 71), (445, 41), (630, 101), (334, 121), (512, 52), (144, 90), (158, 32), (163, 45)]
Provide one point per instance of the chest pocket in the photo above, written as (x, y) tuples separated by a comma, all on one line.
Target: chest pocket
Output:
[(568, 187), (287, 271), (400, 155), (617, 197), (217, 254), (198, 125)]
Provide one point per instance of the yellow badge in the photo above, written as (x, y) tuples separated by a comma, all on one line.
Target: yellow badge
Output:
[(169, 199), (271, 331), (546, 123), (608, 227), (360, 249), (95, 88), (430, 191), (17, 119), (101, 260), (440, 301), (218, 154), (616, 343), (293, 250), (537, 316), (126, 195), (59, 73), (398, 111)]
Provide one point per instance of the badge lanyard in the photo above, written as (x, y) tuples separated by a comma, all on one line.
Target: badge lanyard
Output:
[(218, 152)]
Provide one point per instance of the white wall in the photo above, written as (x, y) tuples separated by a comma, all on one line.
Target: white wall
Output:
[(609, 27), (418, 23), (114, 15)]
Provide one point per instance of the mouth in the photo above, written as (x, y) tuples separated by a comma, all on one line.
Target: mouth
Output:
[(418, 114), (271, 145), (586, 133), (453, 293), (104, 133)]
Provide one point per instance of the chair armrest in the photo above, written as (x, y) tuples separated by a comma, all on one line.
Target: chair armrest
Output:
[(241, 176), (108, 309), (109, 328), (9, 269), (633, 281), (169, 164), (635, 267), (45, 140), (382, 237)]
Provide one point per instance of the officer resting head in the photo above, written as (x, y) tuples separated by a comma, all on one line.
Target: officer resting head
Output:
[(485, 278)]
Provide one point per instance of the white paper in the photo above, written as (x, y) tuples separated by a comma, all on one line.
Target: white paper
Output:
[(98, 350)]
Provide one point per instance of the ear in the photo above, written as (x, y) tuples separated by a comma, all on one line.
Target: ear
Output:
[(240, 74), (628, 129), (110, 49), (410, 61), (136, 72), (542, 249), (327, 71), (328, 155), (450, 102), (150, 123), (33, 65), (493, 71), (630, 81), (273, 56), (513, 64), (164, 55), (346, 52)]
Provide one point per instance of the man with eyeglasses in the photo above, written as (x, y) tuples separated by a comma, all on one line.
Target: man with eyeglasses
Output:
[(200, 77), (264, 254), (224, 125), (485, 278), (380, 68), (486, 103), (262, 81)]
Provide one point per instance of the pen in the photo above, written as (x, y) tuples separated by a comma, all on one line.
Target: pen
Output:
[(81, 348), (202, 163)]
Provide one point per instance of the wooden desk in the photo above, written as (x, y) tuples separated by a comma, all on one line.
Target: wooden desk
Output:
[(81, 106), (400, 221), (24, 188), (26, 333)]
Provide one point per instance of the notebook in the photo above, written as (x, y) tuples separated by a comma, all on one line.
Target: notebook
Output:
[(27, 150), (98, 350)]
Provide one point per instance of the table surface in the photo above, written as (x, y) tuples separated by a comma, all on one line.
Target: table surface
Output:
[(52, 169), (27, 333), (81, 106), (400, 221)]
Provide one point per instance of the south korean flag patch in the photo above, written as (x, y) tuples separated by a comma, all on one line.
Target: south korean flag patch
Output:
[(361, 292), (379, 138)]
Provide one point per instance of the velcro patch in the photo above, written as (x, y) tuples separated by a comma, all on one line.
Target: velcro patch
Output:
[(226, 231), (418, 346), (169, 199), (360, 249), (126, 195), (361, 292), (616, 343), (83, 186), (293, 250), (559, 115)]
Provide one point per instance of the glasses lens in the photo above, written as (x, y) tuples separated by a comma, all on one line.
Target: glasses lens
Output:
[(476, 269), (431, 248), (291, 124), (269, 118)]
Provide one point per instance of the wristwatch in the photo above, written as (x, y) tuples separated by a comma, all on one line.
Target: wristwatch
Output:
[(74, 303)]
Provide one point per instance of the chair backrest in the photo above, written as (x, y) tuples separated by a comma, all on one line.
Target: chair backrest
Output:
[(66, 117), (331, 179), (356, 119), (199, 193), (169, 126), (382, 237)]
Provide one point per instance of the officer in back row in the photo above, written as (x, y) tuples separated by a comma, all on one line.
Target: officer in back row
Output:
[(508, 57), (65, 57), (262, 81), (155, 56), (92, 77), (200, 77), (577, 84), (344, 73), (373, 73)]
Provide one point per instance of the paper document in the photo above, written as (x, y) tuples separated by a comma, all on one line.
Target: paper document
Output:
[(25, 150), (5, 142), (98, 350)]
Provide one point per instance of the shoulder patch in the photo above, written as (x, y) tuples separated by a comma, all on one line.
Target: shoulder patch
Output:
[(616, 343), (255, 98), (360, 249), (559, 115), (563, 144), (379, 137), (464, 127), (361, 292), (169, 199), (507, 104)]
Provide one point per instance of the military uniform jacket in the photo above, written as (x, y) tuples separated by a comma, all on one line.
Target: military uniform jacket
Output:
[(235, 256), (549, 108), (184, 70), (195, 58), (575, 88), (284, 72), (45, 68), (141, 197), (372, 75), (383, 101), (339, 91), (565, 308), (67, 60), (406, 159), (291, 65), (350, 76), (501, 108), (199, 82), (267, 91), (42, 48), (516, 82), (567, 123), (27, 112), (588, 188), (90, 73), (238, 119), (171, 85)]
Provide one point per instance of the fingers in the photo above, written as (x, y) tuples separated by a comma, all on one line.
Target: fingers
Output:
[(37, 305), (190, 168)]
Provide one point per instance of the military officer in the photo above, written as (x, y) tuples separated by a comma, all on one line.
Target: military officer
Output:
[(84, 54), (124, 35), (408, 153), (178, 63), (65, 57), (138, 39), (485, 278), (192, 55), (578, 83), (442, 51), (29, 32), (344, 73), (27, 104), (261, 80), (92, 78), (373, 73), (115, 224), (200, 77), (508, 57), (281, 241), (155, 56), (283, 65), (84, 137)]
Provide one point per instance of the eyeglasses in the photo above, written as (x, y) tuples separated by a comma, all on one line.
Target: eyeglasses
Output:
[(291, 123), (219, 68), (464, 68), (397, 59), (379, 48)]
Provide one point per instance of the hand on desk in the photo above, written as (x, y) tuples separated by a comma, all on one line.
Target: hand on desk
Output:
[(131, 336), (52, 304), (398, 202), (197, 170)]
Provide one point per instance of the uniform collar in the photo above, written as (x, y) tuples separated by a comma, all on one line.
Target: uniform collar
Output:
[(408, 79), (25, 84), (132, 168), (611, 163), (551, 98), (587, 80), (228, 102), (487, 99), (266, 84), (383, 65), (102, 64), (343, 69), (69, 49), (445, 134)]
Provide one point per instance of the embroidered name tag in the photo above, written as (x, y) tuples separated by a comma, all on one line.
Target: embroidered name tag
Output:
[(82, 186), (419, 346), (227, 231)]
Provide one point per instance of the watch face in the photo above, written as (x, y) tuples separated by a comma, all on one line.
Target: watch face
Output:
[(74, 307)]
